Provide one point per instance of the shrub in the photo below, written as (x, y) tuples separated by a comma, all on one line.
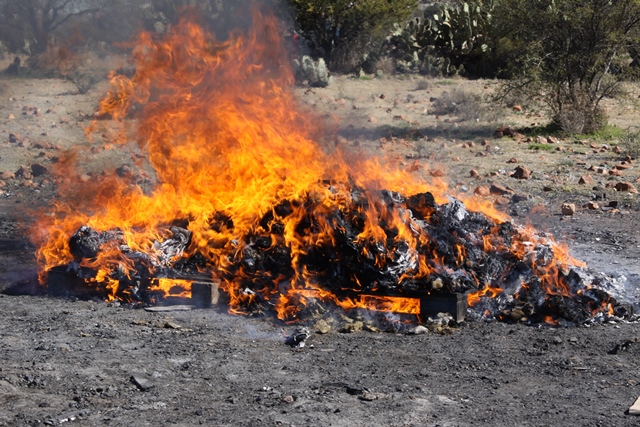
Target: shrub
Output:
[(569, 54), (344, 32), (460, 103), (630, 143)]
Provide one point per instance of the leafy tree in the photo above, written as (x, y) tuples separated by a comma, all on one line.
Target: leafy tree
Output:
[(570, 54), (338, 30)]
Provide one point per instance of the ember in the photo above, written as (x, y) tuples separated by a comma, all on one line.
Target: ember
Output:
[(246, 198)]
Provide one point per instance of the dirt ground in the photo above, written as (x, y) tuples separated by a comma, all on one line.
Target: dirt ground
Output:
[(91, 363)]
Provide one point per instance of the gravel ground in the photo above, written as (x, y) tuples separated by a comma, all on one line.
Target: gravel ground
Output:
[(90, 363)]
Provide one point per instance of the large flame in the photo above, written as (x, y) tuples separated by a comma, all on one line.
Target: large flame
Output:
[(229, 143)]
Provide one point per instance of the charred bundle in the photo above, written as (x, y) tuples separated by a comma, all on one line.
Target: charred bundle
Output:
[(418, 248)]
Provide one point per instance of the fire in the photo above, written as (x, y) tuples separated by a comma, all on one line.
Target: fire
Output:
[(237, 167)]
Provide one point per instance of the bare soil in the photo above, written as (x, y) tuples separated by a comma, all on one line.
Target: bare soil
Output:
[(91, 363)]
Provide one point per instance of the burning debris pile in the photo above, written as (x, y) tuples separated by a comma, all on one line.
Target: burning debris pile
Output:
[(507, 272), (246, 197)]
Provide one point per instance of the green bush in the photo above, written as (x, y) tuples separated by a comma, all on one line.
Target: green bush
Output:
[(569, 54), (346, 32)]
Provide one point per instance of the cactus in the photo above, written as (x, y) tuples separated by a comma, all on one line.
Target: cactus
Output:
[(314, 73), (439, 42)]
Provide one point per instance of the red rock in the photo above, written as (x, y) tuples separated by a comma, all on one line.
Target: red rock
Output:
[(568, 209), (499, 190), (622, 166), (593, 206), (585, 179), (617, 150), (436, 173), (615, 172), (482, 190), (552, 140), (512, 160), (474, 173), (542, 140), (7, 175), (626, 186), (517, 108), (521, 172), (501, 201), (24, 172)]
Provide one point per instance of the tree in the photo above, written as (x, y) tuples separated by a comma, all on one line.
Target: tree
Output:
[(333, 28), (571, 54), (41, 18)]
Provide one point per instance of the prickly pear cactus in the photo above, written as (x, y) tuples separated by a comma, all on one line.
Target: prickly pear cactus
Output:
[(438, 43)]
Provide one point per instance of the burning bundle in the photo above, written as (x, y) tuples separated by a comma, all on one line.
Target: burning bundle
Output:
[(245, 197), (417, 248)]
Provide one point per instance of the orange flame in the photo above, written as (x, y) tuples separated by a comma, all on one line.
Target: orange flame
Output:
[(226, 138)]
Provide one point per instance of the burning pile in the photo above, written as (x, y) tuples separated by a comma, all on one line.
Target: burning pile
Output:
[(246, 198)]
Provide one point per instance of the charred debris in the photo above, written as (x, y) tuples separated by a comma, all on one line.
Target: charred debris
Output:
[(503, 270)]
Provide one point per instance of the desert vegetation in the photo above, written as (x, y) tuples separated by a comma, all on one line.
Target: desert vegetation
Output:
[(566, 55)]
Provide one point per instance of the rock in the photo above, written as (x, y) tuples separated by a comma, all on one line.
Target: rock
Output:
[(372, 119), (517, 108), (322, 327), (288, 399), (7, 175), (552, 140), (542, 140), (517, 198), (568, 209), (557, 340), (617, 150), (501, 201), (593, 206), (547, 188), (38, 170), (626, 186), (482, 191), (521, 172), (418, 330), (635, 408), (142, 383), (499, 190), (11, 117), (512, 160), (352, 327), (585, 179), (24, 172), (615, 172), (622, 166), (474, 173)]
